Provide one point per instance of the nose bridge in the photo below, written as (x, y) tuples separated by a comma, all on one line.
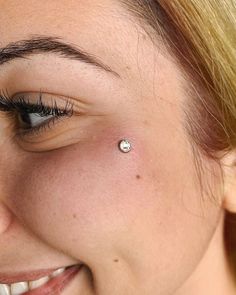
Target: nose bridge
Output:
[(5, 213), (4, 171)]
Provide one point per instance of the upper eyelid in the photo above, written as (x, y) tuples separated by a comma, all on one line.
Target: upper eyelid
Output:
[(80, 103), (9, 104)]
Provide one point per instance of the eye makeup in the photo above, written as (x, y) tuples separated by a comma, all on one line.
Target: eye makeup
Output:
[(33, 118)]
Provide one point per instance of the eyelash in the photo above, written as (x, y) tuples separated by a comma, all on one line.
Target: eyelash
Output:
[(21, 106)]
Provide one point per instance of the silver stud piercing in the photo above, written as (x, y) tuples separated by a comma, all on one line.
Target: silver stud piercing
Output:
[(124, 146)]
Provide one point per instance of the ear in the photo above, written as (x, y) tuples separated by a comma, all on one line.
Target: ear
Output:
[(228, 164)]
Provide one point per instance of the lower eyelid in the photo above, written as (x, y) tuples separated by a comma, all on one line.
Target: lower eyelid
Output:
[(38, 130)]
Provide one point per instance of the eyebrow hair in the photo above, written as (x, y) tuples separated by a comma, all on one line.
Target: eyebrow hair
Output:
[(40, 44)]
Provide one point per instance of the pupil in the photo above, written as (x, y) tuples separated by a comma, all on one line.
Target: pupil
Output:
[(25, 119)]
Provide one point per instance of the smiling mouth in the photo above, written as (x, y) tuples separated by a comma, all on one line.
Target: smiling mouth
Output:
[(50, 284)]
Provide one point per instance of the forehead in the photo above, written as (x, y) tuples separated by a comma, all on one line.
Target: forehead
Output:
[(53, 16), (102, 27)]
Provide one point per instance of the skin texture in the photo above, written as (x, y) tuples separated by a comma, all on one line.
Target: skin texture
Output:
[(139, 222)]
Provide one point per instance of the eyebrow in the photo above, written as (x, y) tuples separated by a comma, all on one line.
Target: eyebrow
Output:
[(48, 44)]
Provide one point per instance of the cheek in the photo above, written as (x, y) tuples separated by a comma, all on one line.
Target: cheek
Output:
[(90, 188), (95, 202)]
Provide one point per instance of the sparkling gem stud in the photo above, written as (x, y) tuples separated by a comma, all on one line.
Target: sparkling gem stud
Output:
[(124, 146)]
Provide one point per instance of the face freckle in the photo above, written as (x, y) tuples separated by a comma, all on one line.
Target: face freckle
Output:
[(145, 122), (116, 260), (138, 176), (74, 216)]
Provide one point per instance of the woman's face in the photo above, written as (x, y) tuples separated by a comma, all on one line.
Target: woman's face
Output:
[(139, 221)]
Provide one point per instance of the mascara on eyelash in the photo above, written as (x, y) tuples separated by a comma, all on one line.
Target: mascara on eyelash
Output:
[(21, 104)]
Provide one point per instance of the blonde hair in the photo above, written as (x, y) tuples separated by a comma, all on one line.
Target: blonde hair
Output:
[(201, 36)]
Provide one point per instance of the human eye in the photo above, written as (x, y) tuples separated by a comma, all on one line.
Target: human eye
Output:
[(32, 118)]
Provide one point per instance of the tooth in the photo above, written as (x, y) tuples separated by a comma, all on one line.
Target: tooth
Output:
[(38, 283), (4, 289), (58, 272), (19, 288)]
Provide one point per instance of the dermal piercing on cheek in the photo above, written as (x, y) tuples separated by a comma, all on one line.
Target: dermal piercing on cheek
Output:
[(124, 146)]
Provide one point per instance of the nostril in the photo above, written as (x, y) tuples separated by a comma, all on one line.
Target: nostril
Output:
[(5, 218)]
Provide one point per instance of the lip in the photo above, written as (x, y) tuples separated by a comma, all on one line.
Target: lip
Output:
[(15, 277), (56, 285)]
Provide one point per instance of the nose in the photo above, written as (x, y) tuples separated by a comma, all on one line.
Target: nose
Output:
[(5, 218)]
